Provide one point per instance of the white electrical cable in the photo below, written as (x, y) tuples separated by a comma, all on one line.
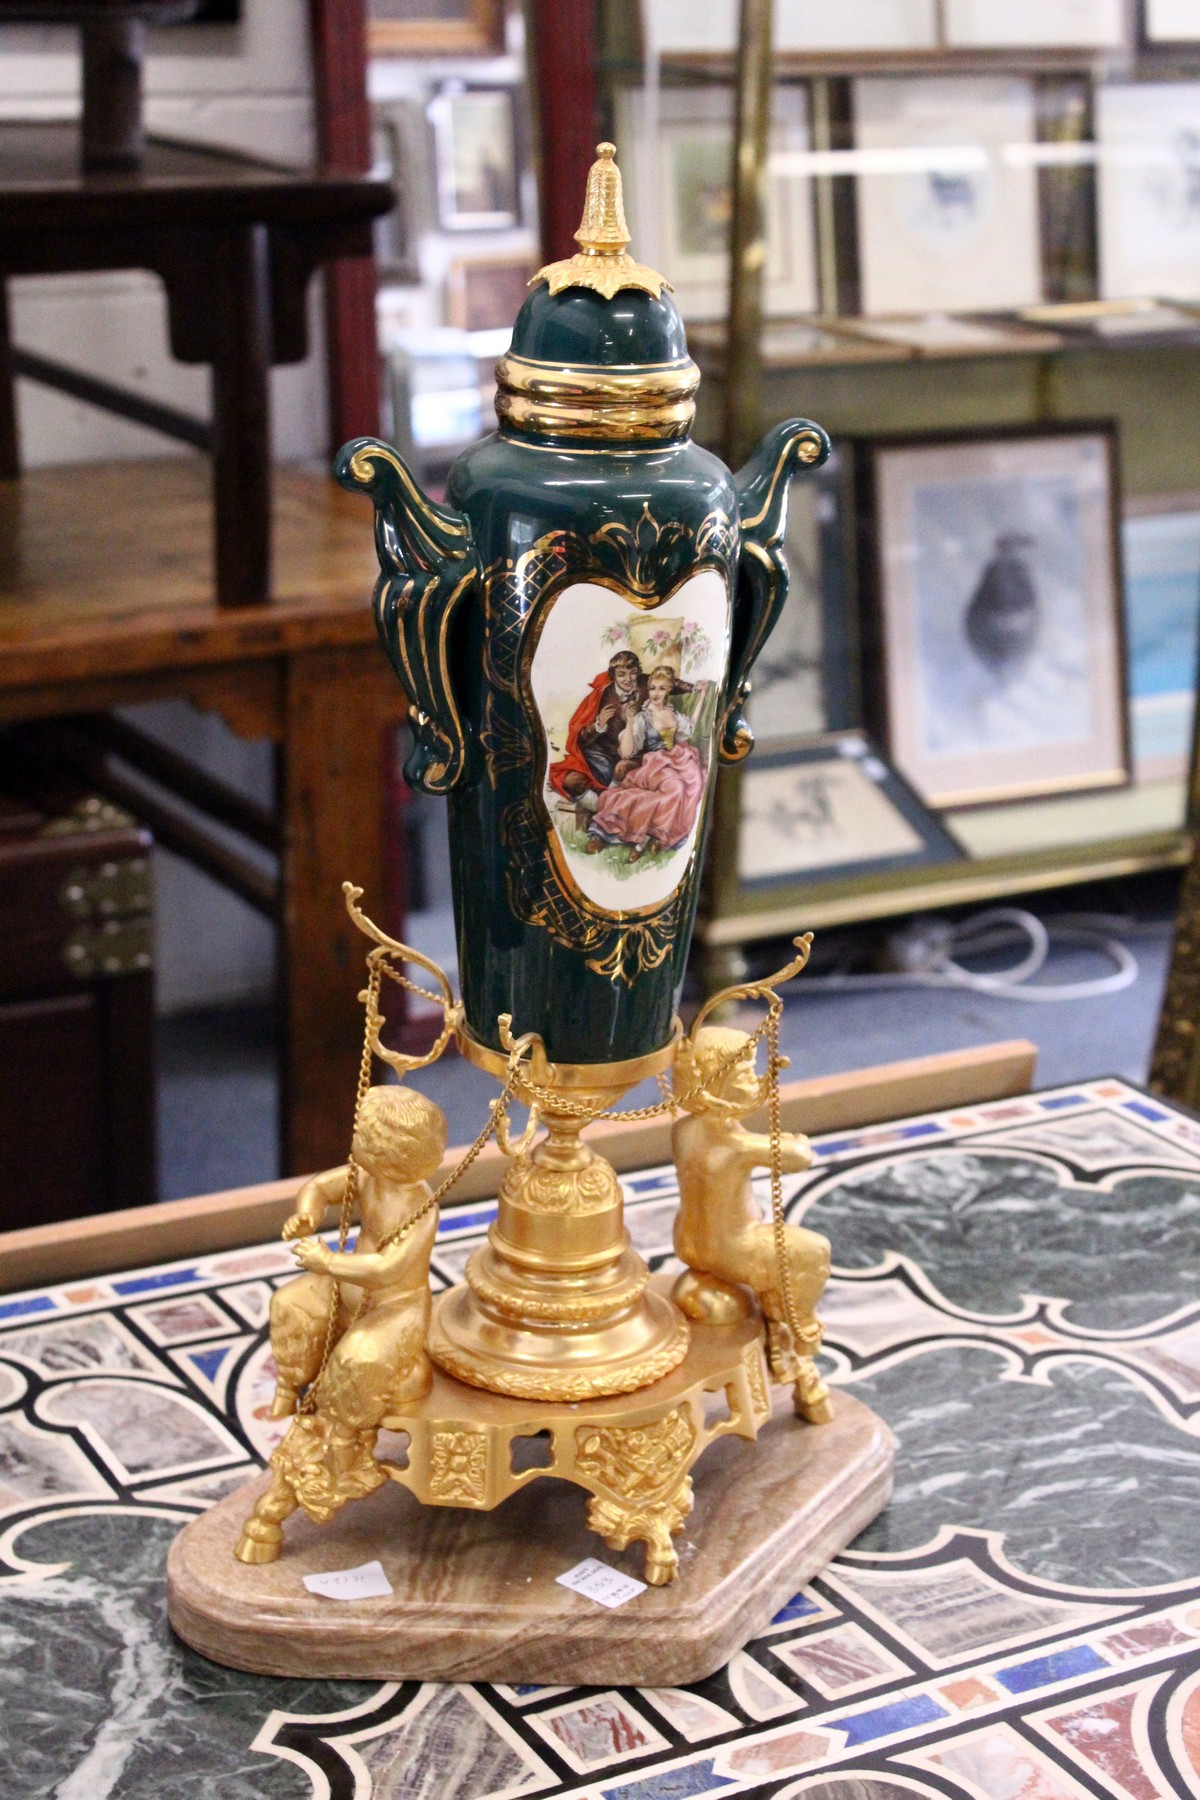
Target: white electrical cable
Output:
[(932, 957)]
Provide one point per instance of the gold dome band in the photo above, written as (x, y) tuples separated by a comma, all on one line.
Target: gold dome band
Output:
[(654, 400)]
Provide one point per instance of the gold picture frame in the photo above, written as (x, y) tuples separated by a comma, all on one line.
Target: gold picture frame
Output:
[(426, 28)]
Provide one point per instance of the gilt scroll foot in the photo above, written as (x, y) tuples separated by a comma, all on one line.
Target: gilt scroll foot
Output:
[(262, 1534), (620, 1523)]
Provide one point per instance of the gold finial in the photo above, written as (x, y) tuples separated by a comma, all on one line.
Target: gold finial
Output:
[(601, 261), (602, 229)]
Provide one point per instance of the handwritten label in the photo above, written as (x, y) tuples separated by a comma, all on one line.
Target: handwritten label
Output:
[(365, 1583), (596, 1581)]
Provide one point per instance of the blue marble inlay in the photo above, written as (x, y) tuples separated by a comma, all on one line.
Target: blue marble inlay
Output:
[(21, 1309), (1144, 1110), (672, 1784), (881, 1721), (209, 1361), (147, 1284), (798, 1607), (663, 1182), (899, 1134), (1042, 1671), (465, 1221), (1056, 1102)]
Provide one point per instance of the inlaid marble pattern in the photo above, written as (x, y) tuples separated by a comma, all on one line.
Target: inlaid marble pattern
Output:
[(1016, 1291)]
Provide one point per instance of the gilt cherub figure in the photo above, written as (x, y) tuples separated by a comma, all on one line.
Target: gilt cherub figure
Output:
[(719, 1232), (351, 1330)]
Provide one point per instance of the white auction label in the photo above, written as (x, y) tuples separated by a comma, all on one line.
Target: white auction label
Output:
[(367, 1582), (596, 1581)]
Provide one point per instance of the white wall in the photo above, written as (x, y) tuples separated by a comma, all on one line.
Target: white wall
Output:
[(245, 86)]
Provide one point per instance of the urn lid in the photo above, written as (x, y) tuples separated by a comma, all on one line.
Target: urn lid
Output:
[(599, 349)]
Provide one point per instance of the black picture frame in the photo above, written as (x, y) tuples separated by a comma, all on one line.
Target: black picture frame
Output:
[(887, 638), (833, 775)]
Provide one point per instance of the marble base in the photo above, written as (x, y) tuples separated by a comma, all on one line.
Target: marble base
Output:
[(475, 1596)]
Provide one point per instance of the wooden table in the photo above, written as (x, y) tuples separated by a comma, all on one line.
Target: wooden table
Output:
[(235, 241), (106, 600), (1023, 1619)]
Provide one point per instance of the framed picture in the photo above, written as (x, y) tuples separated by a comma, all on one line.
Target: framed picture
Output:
[(676, 152), (394, 247), (1171, 21), (485, 293), (475, 157), (1148, 138), (1160, 543), (1033, 24), (830, 808), (947, 220), (683, 27), (994, 657), (435, 27), (805, 679)]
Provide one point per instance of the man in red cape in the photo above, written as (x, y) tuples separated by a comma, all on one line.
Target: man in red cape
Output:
[(593, 736)]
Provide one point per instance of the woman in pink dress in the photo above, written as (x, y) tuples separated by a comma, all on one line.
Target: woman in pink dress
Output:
[(659, 784)]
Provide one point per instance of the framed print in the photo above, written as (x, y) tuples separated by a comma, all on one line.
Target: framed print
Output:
[(993, 638), (683, 27), (1033, 24), (1160, 544), (394, 249), (947, 220), (1171, 21), (475, 157), (435, 27), (485, 293), (677, 157), (1148, 139), (827, 808), (805, 678)]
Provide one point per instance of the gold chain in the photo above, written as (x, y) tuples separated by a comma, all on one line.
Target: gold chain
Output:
[(574, 1109), (350, 1191), (775, 1125)]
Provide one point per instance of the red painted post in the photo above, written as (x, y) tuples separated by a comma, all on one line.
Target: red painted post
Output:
[(563, 54), (339, 39)]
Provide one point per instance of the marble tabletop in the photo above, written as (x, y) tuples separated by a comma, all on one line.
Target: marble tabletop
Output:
[(1016, 1291)]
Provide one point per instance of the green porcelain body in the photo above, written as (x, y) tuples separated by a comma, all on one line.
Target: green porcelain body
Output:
[(559, 578)]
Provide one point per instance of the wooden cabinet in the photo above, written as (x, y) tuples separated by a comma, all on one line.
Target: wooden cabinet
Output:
[(77, 1120)]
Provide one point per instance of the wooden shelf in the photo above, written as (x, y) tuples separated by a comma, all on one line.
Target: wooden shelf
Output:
[(969, 883)]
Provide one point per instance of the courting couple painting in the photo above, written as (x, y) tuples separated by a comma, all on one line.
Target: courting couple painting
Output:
[(631, 771), (628, 699)]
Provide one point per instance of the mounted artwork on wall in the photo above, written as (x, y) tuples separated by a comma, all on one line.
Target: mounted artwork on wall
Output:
[(435, 27), (475, 153), (1171, 21), (1148, 136), (677, 157), (995, 663), (1034, 24), (947, 220)]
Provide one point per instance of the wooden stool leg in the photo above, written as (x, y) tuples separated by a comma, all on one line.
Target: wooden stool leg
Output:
[(341, 706), (10, 439), (242, 416)]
